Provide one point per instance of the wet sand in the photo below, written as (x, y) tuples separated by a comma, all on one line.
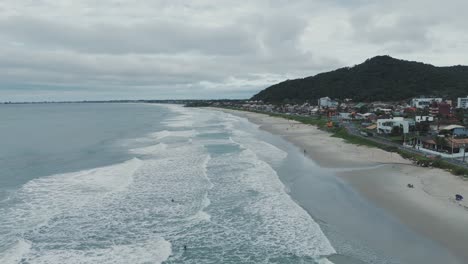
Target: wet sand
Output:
[(430, 208)]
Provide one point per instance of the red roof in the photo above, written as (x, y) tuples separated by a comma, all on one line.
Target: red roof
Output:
[(410, 109)]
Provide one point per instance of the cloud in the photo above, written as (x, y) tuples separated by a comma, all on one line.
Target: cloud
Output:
[(149, 37), (208, 49)]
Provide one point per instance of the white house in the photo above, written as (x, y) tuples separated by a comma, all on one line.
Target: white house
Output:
[(325, 102), (345, 116), (424, 119), (385, 110), (385, 126), (462, 102), (424, 102)]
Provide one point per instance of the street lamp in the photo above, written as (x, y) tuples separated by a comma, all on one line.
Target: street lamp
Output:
[(452, 144), (464, 152)]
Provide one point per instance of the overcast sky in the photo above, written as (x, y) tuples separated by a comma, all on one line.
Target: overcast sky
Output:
[(159, 49)]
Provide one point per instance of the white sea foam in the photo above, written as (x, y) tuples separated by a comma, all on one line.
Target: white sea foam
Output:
[(150, 150), (202, 216), (282, 224), (16, 252), (264, 150), (160, 134), (324, 261), (175, 108), (61, 191), (158, 137), (179, 123), (232, 206), (110, 178), (165, 133), (206, 201), (249, 182), (208, 142), (67, 216), (183, 120), (47, 199)]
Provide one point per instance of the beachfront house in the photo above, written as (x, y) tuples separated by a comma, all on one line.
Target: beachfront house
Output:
[(450, 142), (386, 126), (424, 102), (444, 146), (442, 109), (346, 116), (420, 119), (386, 111), (371, 117), (462, 102), (327, 102), (456, 131)]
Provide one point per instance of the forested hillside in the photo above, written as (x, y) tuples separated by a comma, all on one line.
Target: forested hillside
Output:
[(381, 78)]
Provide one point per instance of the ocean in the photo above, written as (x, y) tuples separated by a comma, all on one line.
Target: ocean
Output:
[(134, 183), (145, 183)]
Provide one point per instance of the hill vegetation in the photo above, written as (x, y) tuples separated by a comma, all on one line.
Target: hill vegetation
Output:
[(381, 78)]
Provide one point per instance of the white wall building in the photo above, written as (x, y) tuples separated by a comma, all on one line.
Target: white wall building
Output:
[(385, 126), (325, 102), (385, 110), (424, 102), (424, 119), (462, 102)]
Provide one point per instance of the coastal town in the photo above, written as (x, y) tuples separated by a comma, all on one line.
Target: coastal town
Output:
[(432, 126)]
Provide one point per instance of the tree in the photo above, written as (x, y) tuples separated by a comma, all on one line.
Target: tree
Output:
[(363, 109), (440, 142), (460, 114), (396, 131), (378, 79), (423, 127)]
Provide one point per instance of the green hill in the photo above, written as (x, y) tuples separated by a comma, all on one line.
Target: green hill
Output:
[(381, 78)]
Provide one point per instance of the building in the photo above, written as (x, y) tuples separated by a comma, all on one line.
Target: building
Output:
[(442, 109), (455, 130), (462, 102), (424, 119), (386, 111), (444, 147), (385, 126), (445, 109), (345, 116), (326, 102), (369, 116), (424, 102)]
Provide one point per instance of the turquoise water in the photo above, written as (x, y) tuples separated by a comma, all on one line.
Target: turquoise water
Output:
[(116, 183), (136, 183), (44, 139)]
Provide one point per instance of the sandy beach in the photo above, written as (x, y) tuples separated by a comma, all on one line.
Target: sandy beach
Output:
[(382, 177)]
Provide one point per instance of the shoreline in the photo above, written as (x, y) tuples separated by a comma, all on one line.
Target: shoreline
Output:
[(380, 176)]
